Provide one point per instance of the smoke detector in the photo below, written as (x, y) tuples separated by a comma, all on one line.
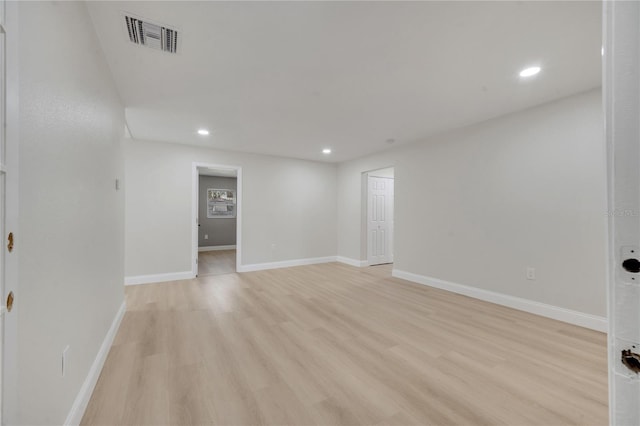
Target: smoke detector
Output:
[(151, 34)]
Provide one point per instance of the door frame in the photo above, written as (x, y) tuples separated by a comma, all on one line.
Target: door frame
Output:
[(10, 64), (364, 217), (621, 73), (194, 211)]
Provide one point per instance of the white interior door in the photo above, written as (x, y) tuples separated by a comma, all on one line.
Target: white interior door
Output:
[(622, 118), (379, 220), (3, 179)]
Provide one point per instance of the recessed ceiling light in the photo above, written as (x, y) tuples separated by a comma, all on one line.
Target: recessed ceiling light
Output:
[(203, 132), (528, 72), (326, 151)]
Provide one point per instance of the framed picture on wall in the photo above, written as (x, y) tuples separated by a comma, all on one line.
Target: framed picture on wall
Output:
[(221, 203)]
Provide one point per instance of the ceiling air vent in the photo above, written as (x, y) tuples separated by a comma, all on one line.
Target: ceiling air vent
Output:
[(151, 34)]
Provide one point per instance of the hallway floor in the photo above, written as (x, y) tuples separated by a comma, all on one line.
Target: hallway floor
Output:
[(217, 262)]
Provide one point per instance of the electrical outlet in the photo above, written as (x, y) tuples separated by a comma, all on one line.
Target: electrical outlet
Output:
[(65, 361), (531, 273), (206, 236)]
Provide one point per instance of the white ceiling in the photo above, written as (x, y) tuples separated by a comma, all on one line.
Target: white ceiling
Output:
[(290, 78)]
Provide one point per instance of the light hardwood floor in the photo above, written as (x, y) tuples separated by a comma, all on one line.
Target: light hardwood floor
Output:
[(336, 345), (217, 262)]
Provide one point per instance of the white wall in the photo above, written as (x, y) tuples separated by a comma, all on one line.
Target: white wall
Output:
[(478, 205), (71, 219), (286, 202)]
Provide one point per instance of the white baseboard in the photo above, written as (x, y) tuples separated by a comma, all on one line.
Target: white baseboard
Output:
[(82, 399), (285, 264), (216, 248), (158, 278), (352, 262), (554, 312)]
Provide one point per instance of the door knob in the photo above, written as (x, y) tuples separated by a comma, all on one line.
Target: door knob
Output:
[(10, 242)]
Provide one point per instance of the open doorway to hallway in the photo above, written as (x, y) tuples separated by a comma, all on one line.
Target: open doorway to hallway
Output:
[(217, 220)]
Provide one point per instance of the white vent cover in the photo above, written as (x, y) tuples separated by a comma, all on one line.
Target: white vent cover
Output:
[(151, 34)]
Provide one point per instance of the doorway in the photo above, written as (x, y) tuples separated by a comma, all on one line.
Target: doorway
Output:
[(380, 216), (217, 219)]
